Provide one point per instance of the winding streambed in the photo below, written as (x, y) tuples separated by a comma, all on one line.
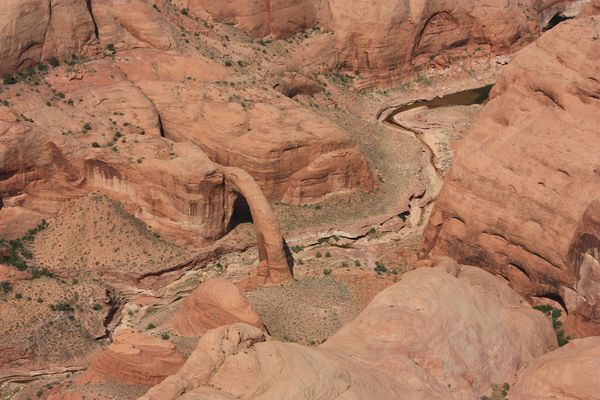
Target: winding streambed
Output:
[(399, 118)]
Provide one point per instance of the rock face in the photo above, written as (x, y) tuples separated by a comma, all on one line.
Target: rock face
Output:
[(584, 259), (115, 125), (433, 335), (215, 303), (396, 36), (134, 358), (525, 175), (279, 18), (35, 30), (568, 373)]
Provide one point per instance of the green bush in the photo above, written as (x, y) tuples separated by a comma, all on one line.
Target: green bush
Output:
[(53, 61), (380, 268), (327, 271), (554, 315), (151, 326), (61, 306), (5, 286), (9, 79), (499, 392)]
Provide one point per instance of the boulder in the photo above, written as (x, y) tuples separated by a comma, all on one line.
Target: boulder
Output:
[(569, 373), (215, 303), (134, 358), (433, 335)]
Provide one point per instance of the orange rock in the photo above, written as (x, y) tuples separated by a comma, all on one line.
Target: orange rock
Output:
[(215, 303), (568, 373), (35, 30), (433, 335), (527, 171), (134, 358)]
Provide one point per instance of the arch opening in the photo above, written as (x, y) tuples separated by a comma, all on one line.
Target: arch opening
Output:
[(554, 297), (555, 20), (241, 213)]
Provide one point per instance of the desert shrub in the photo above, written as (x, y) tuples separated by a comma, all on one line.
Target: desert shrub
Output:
[(87, 127), (53, 61), (499, 392), (62, 306), (5, 286), (318, 254), (380, 268), (328, 255), (327, 271), (554, 315), (150, 326), (9, 79), (165, 336)]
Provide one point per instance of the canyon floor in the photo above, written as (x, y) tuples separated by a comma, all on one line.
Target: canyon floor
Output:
[(192, 207)]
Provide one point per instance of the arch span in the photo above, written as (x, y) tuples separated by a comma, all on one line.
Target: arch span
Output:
[(274, 267)]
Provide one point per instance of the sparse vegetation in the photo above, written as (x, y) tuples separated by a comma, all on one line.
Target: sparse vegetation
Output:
[(15, 252), (380, 268), (499, 392), (297, 249), (5, 287), (62, 306), (9, 79), (327, 271), (53, 61), (554, 314)]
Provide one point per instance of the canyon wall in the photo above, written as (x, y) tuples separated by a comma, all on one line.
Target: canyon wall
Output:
[(515, 199)]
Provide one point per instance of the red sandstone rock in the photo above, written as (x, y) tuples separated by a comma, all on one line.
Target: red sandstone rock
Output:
[(35, 30), (215, 303), (528, 170), (134, 358), (433, 335), (295, 155), (569, 373), (391, 39)]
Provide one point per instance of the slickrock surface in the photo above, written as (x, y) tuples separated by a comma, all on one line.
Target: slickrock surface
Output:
[(569, 373), (433, 335), (214, 303), (527, 171), (134, 358)]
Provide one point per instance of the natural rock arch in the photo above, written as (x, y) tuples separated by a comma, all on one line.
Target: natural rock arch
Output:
[(274, 267)]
